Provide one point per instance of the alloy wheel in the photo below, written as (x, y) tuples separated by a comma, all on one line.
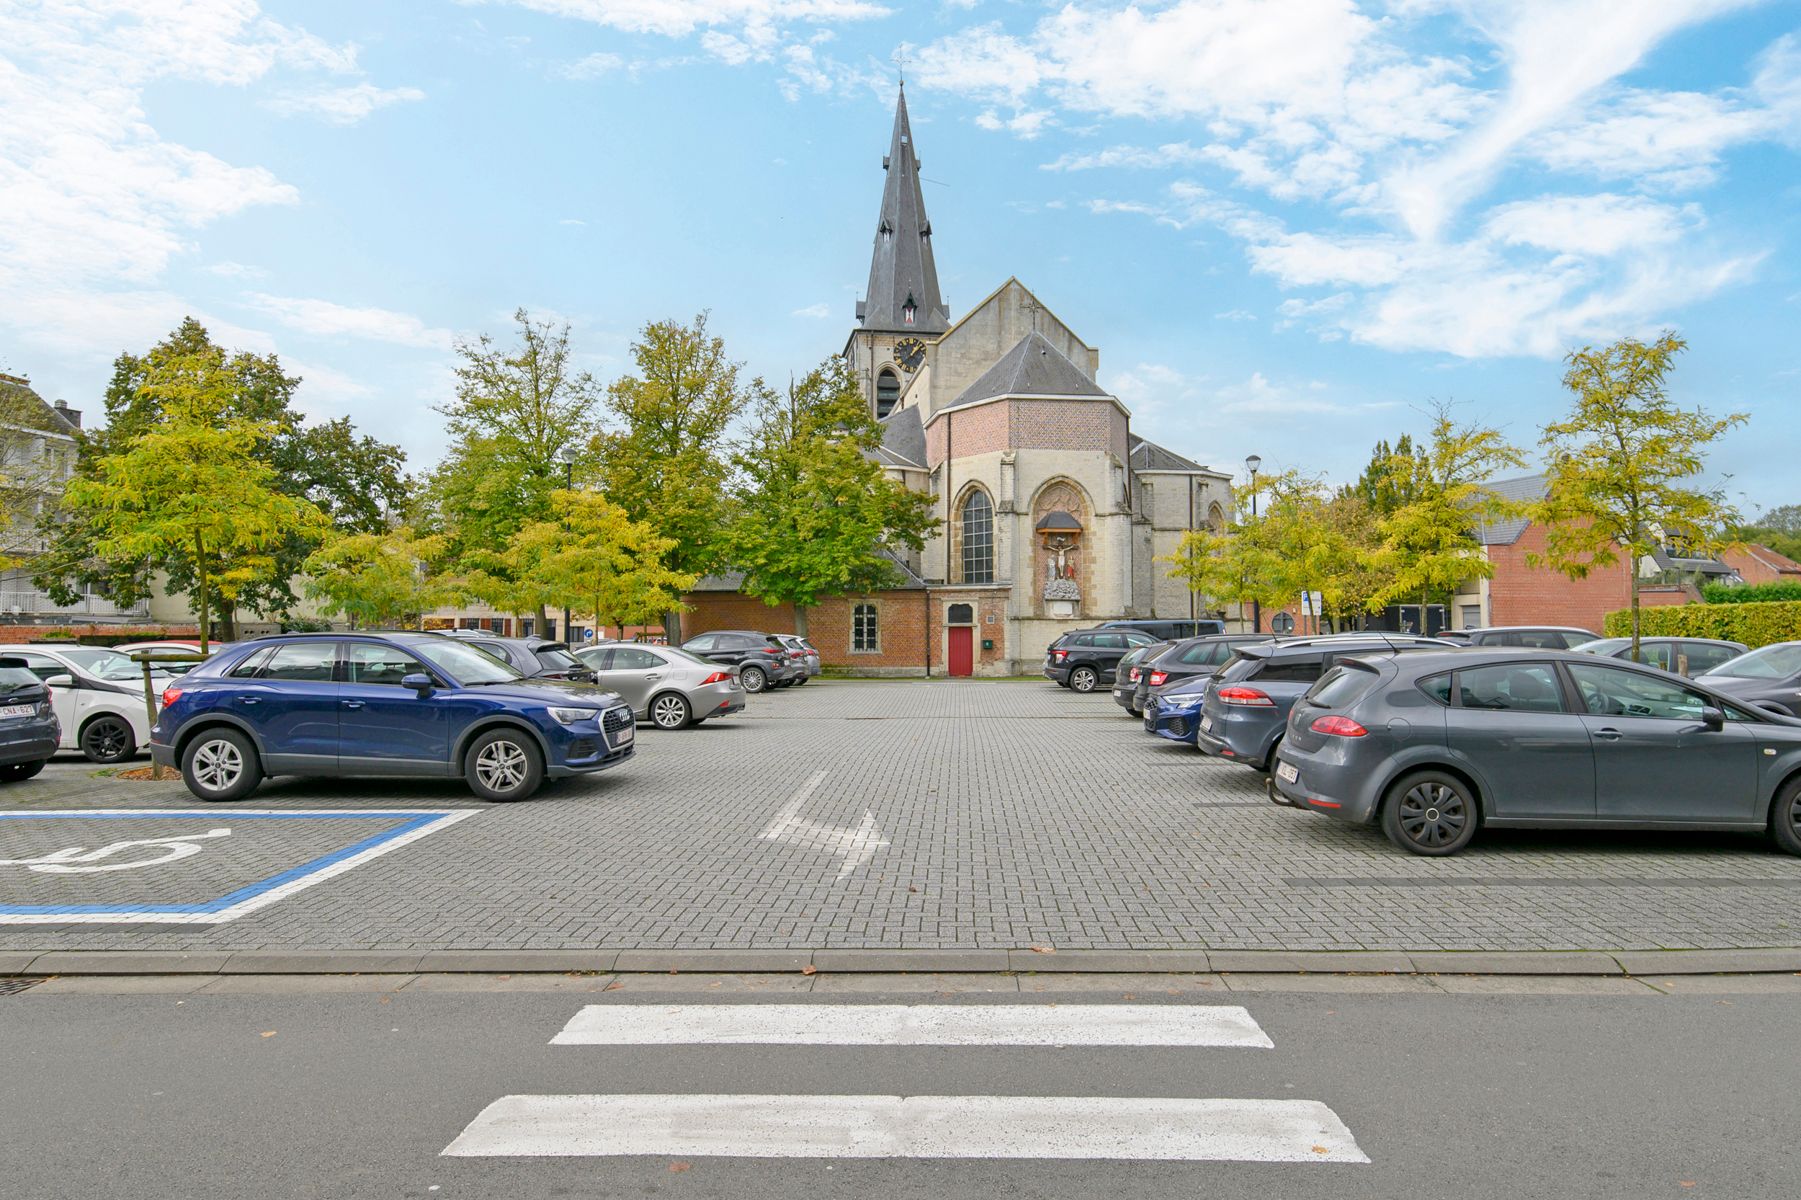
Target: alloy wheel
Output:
[(501, 766), (669, 712), (218, 765), (106, 740), (1433, 814)]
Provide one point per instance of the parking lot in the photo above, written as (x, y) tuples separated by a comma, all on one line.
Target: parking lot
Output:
[(845, 814)]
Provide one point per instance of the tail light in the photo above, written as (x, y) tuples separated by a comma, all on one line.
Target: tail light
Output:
[(1245, 696), (1059, 655), (1132, 676), (716, 677), (1336, 726), (170, 695), (1159, 678)]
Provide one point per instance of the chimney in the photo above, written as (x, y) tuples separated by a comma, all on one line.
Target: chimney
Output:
[(71, 415)]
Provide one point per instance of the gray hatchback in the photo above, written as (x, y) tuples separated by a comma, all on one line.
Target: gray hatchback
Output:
[(1435, 746)]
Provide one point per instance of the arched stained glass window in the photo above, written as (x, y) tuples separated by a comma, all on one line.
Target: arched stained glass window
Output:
[(978, 538)]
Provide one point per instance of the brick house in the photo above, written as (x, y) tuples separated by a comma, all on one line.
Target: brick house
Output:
[(1519, 593), (1760, 564)]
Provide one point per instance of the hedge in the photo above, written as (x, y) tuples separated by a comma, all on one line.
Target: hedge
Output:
[(1750, 593), (1755, 624)]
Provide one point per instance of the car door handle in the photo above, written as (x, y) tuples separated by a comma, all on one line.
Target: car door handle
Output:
[(353, 704), (1609, 735), (654, 675), (248, 700)]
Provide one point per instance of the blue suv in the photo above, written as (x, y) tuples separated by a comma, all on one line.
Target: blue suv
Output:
[(412, 704)]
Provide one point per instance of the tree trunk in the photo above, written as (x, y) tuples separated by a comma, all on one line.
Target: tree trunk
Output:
[(200, 595), (228, 616), (672, 627), (800, 620), (1635, 657), (542, 624)]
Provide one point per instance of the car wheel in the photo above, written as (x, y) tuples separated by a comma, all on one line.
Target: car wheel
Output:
[(1084, 679), (1429, 813), (753, 679), (670, 711), (503, 765), (19, 772), (1785, 818), (108, 739), (221, 764)]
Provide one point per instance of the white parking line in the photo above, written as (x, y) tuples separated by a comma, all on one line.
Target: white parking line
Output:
[(1003, 1127), (913, 1025)]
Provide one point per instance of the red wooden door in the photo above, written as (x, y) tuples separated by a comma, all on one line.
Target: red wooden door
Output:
[(963, 650)]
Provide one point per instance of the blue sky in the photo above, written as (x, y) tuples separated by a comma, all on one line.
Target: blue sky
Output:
[(1288, 224)]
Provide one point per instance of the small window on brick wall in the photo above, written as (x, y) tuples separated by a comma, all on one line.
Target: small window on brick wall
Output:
[(865, 634)]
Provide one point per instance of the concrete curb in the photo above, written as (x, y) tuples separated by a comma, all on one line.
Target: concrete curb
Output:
[(844, 962)]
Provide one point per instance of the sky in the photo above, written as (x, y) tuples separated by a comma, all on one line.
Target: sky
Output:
[(1290, 226)]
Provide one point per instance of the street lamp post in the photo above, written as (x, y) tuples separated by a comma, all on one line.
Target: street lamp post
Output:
[(1251, 463), (567, 456)]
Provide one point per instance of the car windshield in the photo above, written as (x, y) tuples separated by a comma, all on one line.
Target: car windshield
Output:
[(465, 664), (104, 664), (1771, 662), (1602, 645)]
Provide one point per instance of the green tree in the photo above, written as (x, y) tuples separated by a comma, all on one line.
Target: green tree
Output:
[(1779, 529), (667, 463), (590, 555), (378, 578), (190, 491), (820, 517), (1429, 544), (355, 480), (516, 410), (1390, 480), (1622, 466)]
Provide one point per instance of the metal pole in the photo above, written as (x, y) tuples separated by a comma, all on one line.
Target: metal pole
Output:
[(1256, 605), (568, 486)]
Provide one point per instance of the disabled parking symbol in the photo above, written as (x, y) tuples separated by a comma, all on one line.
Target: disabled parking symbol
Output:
[(79, 860)]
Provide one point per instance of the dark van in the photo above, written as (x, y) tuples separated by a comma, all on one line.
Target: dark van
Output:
[(1170, 631)]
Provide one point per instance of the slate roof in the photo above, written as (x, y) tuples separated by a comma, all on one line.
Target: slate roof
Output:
[(903, 439), (1524, 490), (1697, 566), (1034, 367), (1149, 456), (901, 266)]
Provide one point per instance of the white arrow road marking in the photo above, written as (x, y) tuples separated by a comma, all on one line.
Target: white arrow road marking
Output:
[(77, 860), (913, 1025), (1055, 1127), (854, 847)]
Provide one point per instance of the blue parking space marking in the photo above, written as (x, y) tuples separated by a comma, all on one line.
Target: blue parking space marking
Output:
[(413, 824)]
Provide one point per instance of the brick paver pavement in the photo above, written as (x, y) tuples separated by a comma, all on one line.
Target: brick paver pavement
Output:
[(1013, 815)]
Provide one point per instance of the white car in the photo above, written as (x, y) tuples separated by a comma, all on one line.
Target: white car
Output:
[(98, 695)]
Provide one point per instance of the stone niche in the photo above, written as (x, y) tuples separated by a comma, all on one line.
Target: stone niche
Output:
[(1060, 564)]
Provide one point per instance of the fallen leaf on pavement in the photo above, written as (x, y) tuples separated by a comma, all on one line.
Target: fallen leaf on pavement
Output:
[(612, 987), (809, 969), (268, 1033), (1042, 949), (680, 1166)]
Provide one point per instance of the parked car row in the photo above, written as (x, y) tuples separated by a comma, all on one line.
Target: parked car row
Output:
[(1433, 739)]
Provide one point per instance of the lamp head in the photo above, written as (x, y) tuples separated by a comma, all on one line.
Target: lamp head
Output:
[(1252, 462)]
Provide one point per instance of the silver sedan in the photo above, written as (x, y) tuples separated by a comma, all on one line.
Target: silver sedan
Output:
[(669, 687)]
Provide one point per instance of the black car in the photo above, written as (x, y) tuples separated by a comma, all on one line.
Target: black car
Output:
[(1126, 672), (1083, 660), (29, 730), (1769, 677), (765, 662), (1430, 746), (533, 657), (1186, 660), (1170, 631), (1248, 699)]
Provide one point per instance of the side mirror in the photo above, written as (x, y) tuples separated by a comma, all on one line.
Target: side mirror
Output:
[(418, 681), (1713, 718), (60, 681)]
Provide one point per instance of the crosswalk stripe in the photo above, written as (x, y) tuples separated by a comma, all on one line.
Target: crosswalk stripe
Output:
[(913, 1025), (1001, 1127)]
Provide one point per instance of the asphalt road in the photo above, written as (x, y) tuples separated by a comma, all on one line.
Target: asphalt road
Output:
[(358, 1095)]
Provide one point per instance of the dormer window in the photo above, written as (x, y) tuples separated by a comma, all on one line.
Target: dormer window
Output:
[(908, 310)]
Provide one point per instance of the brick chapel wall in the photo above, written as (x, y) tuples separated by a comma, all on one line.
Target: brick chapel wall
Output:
[(901, 618), (968, 432)]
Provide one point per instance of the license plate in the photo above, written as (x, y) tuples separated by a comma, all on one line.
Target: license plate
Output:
[(1206, 724), (1287, 772), (625, 735), (18, 710)]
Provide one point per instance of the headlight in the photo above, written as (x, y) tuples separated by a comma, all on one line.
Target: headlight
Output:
[(574, 716)]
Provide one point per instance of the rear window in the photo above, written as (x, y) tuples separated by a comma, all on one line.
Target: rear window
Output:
[(1340, 686), (1298, 670), (13, 679), (559, 659)]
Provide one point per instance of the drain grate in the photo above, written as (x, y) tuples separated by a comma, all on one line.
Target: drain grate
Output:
[(10, 986)]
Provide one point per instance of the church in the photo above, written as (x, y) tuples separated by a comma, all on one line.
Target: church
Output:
[(1054, 512)]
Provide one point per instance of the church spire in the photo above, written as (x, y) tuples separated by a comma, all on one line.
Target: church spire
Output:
[(903, 279)]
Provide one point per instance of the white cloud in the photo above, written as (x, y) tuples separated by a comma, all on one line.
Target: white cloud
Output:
[(322, 318), (819, 311), (226, 269), (343, 105), (1235, 314), (592, 66), (1137, 157)]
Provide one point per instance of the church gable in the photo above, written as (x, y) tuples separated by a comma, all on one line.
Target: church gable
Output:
[(997, 325)]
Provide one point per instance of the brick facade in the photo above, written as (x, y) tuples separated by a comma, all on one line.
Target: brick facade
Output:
[(912, 625), (1760, 564)]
